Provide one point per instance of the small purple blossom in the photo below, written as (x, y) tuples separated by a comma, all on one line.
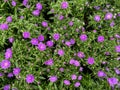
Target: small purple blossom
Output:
[(73, 77), (108, 16), (39, 6), (56, 36), (11, 39), (64, 5), (4, 26), (13, 3), (50, 43), (41, 38), (117, 48), (112, 24), (61, 17), (71, 23), (30, 78), (97, 18), (90, 60), (80, 77), (6, 87), (66, 82), (8, 53), (83, 37), (34, 41), (36, 12), (53, 79), (101, 74), (61, 69), (81, 54), (49, 62), (68, 43), (44, 24), (5, 64), (72, 41), (25, 2), (10, 75), (100, 39), (112, 81), (16, 71), (61, 52), (9, 19), (41, 46), (77, 84), (26, 35)]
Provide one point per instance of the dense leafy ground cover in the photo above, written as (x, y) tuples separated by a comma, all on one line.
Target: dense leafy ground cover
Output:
[(59, 45)]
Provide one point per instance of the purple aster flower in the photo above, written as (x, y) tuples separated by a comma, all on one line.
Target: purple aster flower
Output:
[(41, 46), (72, 41), (5, 64), (108, 16), (100, 39), (80, 77), (83, 37), (61, 69), (1, 74), (61, 17), (49, 43), (10, 75), (64, 5), (21, 17), (117, 71), (41, 38), (26, 35), (36, 12), (97, 7), (76, 63), (30, 78), (11, 39), (94, 31), (53, 79), (25, 2), (68, 43), (71, 23), (13, 3), (81, 69), (90, 60), (112, 24), (97, 18), (49, 62), (44, 24), (101, 74), (34, 41), (72, 61), (117, 48), (56, 36), (66, 82), (117, 35), (6, 87), (73, 77), (8, 53), (61, 52), (80, 54), (4, 26), (16, 71), (112, 81), (39, 6), (9, 19), (77, 84)]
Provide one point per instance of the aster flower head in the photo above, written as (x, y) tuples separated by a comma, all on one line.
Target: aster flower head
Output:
[(6, 87), (8, 53), (117, 71), (73, 77), (39, 6), (16, 71), (97, 7), (72, 61), (25, 2), (90, 60), (112, 81), (68, 43), (81, 54), (4, 26), (61, 17), (56, 36), (76, 63), (49, 62), (1, 74), (77, 84), (36, 12), (72, 41), (112, 24), (26, 35), (11, 39), (100, 39), (30, 78), (34, 41), (64, 5), (41, 46), (83, 37), (10, 75), (117, 49), (101, 73), (53, 79), (71, 23), (60, 52), (61, 69), (9, 19), (41, 38), (97, 18), (44, 24), (50, 43), (108, 16), (80, 77), (67, 82), (5, 64), (13, 3)]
